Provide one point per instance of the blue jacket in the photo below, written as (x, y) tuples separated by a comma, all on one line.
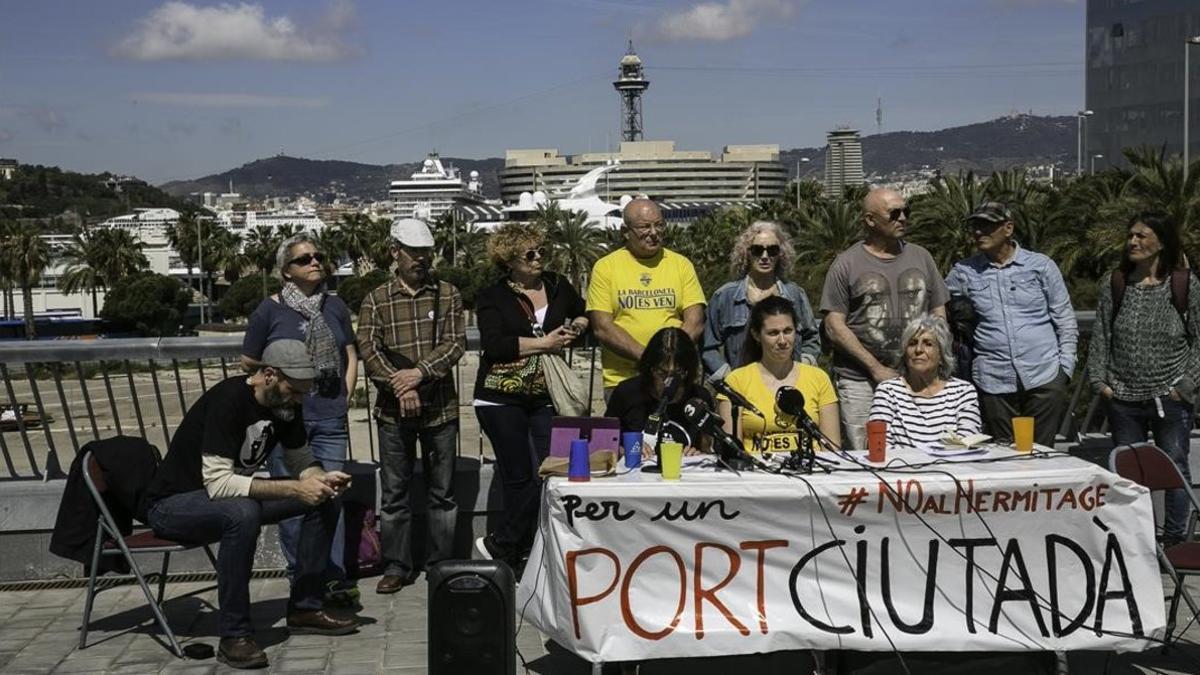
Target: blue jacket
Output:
[(728, 314)]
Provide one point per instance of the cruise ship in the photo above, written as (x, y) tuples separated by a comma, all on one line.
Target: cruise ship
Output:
[(434, 190)]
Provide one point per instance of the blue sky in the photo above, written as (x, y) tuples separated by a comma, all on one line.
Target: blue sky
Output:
[(172, 90)]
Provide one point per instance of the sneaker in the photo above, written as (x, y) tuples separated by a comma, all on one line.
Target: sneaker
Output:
[(241, 653), (341, 593)]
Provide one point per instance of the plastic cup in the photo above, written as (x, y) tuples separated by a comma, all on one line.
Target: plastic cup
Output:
[(579, 469), (876, 440), (1023, 433), (631, 442), (670, 458)]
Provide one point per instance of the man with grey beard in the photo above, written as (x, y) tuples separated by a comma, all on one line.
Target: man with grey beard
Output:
[(205, 491)]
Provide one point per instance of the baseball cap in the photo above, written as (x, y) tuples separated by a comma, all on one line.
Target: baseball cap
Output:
[(412, 232), (993, 212), (291, 357)]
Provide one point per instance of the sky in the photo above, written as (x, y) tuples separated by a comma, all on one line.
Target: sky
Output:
[(184, 88)]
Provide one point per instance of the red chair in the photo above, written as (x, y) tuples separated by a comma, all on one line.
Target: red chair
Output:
[(1152, 468), (110, 542)]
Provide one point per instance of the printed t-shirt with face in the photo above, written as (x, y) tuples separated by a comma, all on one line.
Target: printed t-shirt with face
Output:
[(879, 296), (227, 421), (644, 296), (778, 432)]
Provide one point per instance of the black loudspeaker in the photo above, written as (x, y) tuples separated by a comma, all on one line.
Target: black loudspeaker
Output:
[(472, 620)]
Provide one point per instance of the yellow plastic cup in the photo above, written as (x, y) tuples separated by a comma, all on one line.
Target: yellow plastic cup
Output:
[(1023, 433), (670, 458)]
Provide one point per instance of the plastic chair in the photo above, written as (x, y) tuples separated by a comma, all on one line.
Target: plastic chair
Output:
[(110, 542), (1152, 468)]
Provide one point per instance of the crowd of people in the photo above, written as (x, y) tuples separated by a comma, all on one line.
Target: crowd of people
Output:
[(887, 313)]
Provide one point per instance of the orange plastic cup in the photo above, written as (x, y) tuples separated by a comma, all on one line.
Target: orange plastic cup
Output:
[(1023, 433), (876, 440)]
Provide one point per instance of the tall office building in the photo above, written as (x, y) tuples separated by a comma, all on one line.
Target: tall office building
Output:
[(843, 160), (1135, 77)]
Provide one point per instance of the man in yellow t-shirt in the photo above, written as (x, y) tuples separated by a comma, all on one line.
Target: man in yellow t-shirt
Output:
[(638, 290), (778, 432)]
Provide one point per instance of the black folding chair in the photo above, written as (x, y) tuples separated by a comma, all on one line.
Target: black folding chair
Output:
[(110, 542), (1152, 468)]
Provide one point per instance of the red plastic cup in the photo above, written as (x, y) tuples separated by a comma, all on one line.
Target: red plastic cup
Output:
[(876, 440)]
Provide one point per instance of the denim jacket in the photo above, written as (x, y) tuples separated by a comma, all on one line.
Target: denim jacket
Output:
[(726, 319)]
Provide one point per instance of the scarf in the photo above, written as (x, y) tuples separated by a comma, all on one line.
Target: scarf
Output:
[(322, 346)]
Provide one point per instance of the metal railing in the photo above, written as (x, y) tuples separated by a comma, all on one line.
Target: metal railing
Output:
[(59, 395)]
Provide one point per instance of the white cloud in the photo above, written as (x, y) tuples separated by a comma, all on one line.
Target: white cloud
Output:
[(227, 100), (5, 135), (178, 31), (722, 21)]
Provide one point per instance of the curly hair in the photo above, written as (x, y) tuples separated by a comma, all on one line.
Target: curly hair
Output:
[(739, 259), (937, 326), (511, 240)]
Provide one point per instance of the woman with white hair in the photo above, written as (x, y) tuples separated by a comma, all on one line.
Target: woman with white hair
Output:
[(760, 263), (926, 402), (303, 310)]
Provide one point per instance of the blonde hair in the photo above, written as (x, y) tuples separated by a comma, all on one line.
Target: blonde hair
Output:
[(511, 240), (739, 259)]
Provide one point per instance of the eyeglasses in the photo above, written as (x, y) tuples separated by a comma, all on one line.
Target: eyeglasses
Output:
[(659, 226), (306, 259), (894, 214), (534, 253), (757, 250), (417, 252)]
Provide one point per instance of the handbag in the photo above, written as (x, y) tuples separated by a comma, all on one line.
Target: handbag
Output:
[(568, 392)]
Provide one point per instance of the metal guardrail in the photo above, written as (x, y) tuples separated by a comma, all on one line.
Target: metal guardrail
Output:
[(106, 387)]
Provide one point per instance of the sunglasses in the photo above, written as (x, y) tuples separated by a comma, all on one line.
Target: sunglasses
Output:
[(895, 214), (307, 258), (757, 250), (534, 253)]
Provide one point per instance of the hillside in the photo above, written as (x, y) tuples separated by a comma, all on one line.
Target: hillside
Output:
[(324, 179), (47, 192), (1012, 140)]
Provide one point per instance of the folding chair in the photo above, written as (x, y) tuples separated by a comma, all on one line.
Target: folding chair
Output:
[(115, 544), (1152, 468)]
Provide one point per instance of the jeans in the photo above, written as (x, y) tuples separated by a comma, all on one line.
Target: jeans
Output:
[(520, 438), (1045, 404), (1131, 420), (854, 407), (397, 451), (194, 518), (327, 439)]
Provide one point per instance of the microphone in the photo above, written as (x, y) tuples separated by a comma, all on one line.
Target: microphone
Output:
[(654, 421), (734, 397), (695, 412), (790, 401)]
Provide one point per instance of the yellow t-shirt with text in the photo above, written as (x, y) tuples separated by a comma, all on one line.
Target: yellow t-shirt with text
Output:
[(778, 433), (644, 296)]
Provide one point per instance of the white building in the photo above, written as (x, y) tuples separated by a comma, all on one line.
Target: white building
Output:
[(434, 190)]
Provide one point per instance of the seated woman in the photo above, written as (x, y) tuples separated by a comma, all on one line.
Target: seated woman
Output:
[(669, 354), (926, 402), (769, 363)]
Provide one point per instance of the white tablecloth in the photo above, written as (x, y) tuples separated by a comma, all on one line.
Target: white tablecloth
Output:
[(1014, 552)]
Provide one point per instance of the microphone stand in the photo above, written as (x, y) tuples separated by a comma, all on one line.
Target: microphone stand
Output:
[(803, 459)]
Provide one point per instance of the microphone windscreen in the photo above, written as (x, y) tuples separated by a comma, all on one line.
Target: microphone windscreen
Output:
[(789, 401)]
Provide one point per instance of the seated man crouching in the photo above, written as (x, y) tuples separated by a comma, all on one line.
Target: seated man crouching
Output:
[(203, 492)]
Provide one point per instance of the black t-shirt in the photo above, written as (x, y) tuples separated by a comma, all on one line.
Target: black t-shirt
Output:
[(226, 421), (632, 402)]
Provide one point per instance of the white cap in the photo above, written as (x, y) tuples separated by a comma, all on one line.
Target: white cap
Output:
[(412, 232)]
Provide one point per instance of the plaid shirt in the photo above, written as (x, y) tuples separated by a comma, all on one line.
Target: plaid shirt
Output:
[(402, 322)]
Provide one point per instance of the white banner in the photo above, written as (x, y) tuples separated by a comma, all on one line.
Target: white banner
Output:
[(1028, 554)]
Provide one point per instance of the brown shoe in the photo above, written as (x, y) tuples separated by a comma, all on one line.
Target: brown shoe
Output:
[(319, 622), (391, 583), (241, 652)]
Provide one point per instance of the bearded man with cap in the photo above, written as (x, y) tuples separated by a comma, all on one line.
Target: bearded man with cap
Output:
[(204, 492), (410, 335), (1025, 334)]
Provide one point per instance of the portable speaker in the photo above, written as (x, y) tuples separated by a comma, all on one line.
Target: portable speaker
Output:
[(471, 618)]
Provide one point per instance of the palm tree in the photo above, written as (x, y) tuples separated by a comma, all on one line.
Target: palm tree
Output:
[(261, 244), (360, 238), (938, 218), (27, 254), (82, 273), (825, 231), (120, 255), (575, 245)]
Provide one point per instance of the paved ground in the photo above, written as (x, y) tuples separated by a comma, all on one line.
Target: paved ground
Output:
[(39, 634)]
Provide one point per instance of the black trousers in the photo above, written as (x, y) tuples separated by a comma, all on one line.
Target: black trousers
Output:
[(520, 438), (1045, 404)]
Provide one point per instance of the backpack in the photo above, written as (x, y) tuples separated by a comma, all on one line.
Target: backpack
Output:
[(1179, 281)]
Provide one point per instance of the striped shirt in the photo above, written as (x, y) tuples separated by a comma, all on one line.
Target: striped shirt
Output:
[(914, 420), (392, 318)]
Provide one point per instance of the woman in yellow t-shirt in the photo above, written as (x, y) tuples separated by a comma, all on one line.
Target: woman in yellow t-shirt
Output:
[(769, 365)]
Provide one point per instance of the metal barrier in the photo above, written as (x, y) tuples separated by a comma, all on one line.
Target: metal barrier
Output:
[(62, 394)]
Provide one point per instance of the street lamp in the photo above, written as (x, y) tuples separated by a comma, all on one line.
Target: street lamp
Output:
[(200, 266), (1187, 78), (1094, 158), (804, 160), (1080, 120)]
